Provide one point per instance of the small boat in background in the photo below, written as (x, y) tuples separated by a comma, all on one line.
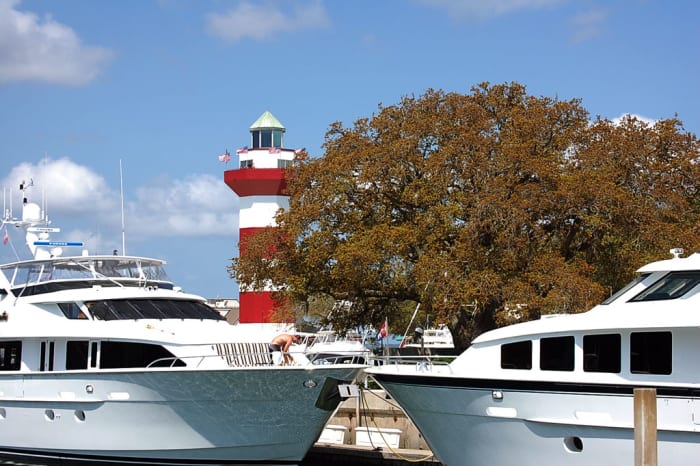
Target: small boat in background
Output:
[(433, 341), (327, 346)]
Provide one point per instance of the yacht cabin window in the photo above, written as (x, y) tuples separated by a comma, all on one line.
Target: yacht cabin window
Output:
[(118, 355), (72, 310), (10, 355), (517, 355), (650, 353), (76, 355), (602, 353), (557, 354)]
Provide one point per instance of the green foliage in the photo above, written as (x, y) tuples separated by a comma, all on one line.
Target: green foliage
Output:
[(486, 208)]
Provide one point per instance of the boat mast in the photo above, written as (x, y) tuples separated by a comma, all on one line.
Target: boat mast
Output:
[(121, 194)]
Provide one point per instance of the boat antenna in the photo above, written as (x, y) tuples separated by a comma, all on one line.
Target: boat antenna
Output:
[(121, 194), (415, 312)]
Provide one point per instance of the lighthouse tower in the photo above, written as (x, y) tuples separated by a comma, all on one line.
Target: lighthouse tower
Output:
[(260, 183)]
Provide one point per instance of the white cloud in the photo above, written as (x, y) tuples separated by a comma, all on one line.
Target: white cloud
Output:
[(69, 188), (200, 205), (588, 25), (36, 50), (480, 9), (87, 209), (265, 20), (625, 116)]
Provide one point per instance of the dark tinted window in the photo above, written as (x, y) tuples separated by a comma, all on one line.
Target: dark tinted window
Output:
[(266, 138), (117, 354), (71, 310), (651, 352), (10, 355), (557, 354), (125, 309), (601, 353), (517, 355), (76, 355)]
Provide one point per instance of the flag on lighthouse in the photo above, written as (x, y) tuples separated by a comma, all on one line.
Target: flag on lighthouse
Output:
[(225, 157), (384, 330)]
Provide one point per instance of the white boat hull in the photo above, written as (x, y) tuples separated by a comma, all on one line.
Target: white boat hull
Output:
[(265, 415), (466, 425)]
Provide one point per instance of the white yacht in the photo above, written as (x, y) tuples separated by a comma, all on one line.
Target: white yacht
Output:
[(327, 345), (431, 341), (103, 359), (559, 390)]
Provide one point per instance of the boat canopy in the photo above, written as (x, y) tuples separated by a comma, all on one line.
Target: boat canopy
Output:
[(117, 270)]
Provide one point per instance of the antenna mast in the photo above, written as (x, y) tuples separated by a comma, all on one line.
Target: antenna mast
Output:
[(121, 193)]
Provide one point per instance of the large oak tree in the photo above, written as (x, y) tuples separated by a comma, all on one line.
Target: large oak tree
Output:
[(486, 208)]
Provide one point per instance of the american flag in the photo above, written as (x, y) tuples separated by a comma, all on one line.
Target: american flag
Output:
[(5, 238), (225, 157), (383, 331), (274, 150), (242, 150)]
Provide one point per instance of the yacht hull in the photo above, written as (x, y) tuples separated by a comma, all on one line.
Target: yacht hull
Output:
[(472, 422), (263, 416)]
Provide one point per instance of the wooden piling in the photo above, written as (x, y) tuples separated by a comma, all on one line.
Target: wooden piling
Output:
[(645, 448)]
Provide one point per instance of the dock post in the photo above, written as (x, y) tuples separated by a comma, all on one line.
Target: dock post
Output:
[(645, 448), (358, 409)]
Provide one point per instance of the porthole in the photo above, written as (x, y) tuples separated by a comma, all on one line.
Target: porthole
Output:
[(49, 415), (80, 415), (3, 413), (573, 444)]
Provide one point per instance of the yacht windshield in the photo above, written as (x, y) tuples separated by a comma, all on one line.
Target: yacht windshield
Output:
[(128, 309), (34, 272), (671, 286), (626, 288)]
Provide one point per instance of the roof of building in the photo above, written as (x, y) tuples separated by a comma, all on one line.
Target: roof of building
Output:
[(267, 121)]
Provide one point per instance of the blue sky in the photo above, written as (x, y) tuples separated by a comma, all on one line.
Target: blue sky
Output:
[(166, 86)]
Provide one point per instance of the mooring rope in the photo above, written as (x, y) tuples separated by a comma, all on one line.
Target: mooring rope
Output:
[(365, 409)]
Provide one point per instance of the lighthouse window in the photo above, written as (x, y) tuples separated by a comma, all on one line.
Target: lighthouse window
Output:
[(517, 355), (277, 138), (10, 355), (266, 138)]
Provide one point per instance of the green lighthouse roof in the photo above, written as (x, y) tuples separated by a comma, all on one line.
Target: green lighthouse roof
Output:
[(267, 121)]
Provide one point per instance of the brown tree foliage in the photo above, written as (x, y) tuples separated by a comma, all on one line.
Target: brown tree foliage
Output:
[(486, 208)]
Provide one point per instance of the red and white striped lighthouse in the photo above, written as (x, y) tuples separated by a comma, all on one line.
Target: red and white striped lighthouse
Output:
[(260, 183)]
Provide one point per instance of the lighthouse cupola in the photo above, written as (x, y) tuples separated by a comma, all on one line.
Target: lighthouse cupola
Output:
[(267, 132)]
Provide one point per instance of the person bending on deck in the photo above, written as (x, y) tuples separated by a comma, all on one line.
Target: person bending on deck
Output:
[(279, 348)]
